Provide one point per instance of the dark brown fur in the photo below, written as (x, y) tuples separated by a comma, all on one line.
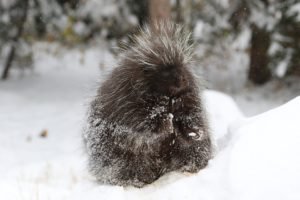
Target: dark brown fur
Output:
[(140, 121)]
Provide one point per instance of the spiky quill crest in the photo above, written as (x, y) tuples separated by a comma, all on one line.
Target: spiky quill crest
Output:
[(161, 43)]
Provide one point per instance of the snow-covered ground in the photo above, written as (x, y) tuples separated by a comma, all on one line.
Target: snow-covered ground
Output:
[(41, 155)]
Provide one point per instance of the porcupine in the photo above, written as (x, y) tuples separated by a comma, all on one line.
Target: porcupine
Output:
[(147, 118)]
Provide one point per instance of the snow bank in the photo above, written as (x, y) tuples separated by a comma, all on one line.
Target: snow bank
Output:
[(222, 111), (264, 155)]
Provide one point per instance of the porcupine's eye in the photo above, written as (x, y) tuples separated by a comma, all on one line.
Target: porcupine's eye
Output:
[(147, 71)]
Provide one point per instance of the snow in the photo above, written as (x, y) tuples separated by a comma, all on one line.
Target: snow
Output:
[(222, 111), (228, 62), (283, 66), (255, 158), (106, 10), (295, 10), (192, 134), (7, 3), (255, 100), (92, 7), (199, 29), (265, 152)]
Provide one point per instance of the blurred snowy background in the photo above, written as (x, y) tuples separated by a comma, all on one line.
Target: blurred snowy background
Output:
[(54, 52)]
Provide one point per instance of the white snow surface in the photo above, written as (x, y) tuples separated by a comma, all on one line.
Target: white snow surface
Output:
[(255, 158)]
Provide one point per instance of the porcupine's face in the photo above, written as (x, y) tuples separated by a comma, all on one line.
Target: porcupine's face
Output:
[(167, 80)]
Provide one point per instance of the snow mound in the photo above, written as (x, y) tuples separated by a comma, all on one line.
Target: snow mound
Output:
[(222, 111), (264, 155)]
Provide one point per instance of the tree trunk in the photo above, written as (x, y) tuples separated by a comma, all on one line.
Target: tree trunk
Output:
[(240, 15), (8, 62), (15, 39), (160, 10), (259, 73), (40, 25), (178, 10), (140, 8)]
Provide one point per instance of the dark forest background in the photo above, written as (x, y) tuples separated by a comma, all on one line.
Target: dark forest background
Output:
[(266, 33)]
